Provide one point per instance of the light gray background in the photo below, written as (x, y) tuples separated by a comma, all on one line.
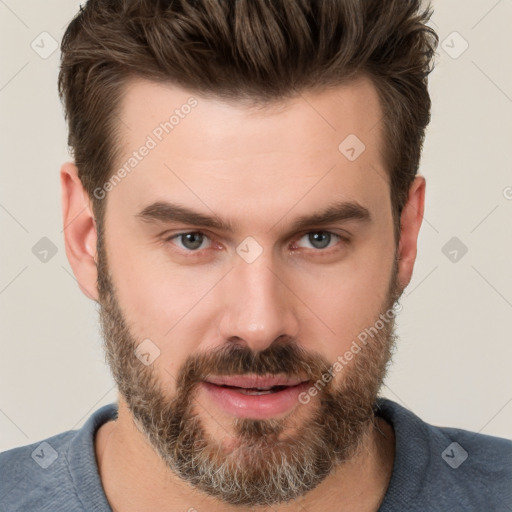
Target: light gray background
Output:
[(452, 367)]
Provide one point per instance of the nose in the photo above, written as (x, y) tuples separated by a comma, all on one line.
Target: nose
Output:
[(257, 305)]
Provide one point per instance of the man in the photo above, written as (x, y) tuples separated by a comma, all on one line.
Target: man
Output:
[(244, 206)]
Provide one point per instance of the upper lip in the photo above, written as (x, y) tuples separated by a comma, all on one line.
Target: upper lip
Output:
[(253, 381)]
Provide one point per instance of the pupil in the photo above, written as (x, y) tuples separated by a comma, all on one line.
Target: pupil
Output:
[(195, 239), (320, 237)]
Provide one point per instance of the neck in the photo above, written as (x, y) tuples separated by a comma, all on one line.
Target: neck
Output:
[(135, 478)]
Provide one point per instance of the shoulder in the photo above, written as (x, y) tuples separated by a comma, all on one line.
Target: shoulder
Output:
[(445, 468), (476, 467), (57, 474), (30, 471)]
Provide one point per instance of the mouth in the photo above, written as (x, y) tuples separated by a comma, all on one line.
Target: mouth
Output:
[(255, 391), (255, 382), (255, 396)]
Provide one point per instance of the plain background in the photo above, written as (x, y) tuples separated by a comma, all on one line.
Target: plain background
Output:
[(452, 367)]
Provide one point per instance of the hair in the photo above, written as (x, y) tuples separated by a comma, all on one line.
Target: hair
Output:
[(259, 51)]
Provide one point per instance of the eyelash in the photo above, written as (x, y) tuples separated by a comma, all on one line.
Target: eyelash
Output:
[(328, 250)]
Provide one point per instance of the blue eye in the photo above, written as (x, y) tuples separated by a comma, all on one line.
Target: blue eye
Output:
[(321, 239), (193, 241), (190, 241)]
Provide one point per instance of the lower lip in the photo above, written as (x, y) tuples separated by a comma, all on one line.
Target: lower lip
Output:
[(255, 406)]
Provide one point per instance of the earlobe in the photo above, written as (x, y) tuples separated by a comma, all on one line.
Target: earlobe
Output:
[(410, 223), (80, 235)]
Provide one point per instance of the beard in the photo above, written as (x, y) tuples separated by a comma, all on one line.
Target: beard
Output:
[(271, 461)]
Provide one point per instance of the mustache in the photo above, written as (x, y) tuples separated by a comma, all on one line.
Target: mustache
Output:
[(285, 357)]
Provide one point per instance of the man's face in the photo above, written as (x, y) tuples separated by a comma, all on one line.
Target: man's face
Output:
[(267, 298)]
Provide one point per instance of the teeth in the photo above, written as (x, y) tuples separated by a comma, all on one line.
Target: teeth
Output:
[(255, 391)]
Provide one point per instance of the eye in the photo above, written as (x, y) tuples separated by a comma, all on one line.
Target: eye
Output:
[(190, 241), (322, 239), (194, 241)]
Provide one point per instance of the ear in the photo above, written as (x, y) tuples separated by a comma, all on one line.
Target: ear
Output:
[(79, 230), (410, 223)]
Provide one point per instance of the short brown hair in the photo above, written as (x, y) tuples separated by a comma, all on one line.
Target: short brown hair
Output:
[(258, 50)]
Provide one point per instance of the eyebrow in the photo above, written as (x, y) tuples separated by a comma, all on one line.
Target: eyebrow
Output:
[(162, 211)]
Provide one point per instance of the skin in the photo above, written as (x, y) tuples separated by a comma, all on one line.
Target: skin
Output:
[(260, 168)]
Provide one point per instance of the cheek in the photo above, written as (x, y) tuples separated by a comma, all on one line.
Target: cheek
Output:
[(163, 302), (346, 298)]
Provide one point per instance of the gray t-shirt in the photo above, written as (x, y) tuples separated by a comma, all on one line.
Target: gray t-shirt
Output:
[(435, 469)]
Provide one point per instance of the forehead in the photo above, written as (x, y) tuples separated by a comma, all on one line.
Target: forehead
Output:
[(338, 111), (251, 159)]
